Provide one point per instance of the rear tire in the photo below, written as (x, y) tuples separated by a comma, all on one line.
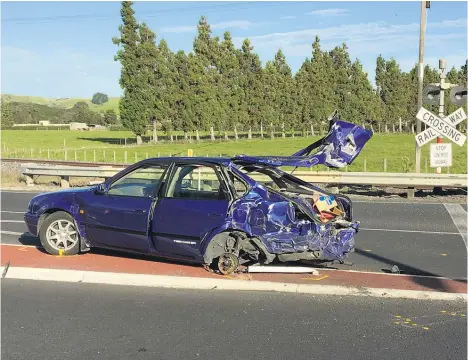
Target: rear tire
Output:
[(59, 235)]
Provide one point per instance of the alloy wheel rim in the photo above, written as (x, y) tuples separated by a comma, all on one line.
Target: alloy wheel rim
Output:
[(62, 235)]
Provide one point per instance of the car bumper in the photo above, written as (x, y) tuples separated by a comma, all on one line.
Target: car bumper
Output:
[(31, 221)]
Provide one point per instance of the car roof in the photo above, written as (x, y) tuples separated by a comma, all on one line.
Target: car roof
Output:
[(188, 159)]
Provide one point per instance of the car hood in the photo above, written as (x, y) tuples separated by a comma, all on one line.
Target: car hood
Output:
[(337, 149)]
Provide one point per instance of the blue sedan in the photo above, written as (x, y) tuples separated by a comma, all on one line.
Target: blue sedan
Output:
[(219, 212)]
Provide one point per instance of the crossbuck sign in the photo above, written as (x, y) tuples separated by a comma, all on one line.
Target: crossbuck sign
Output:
[(441, 127)]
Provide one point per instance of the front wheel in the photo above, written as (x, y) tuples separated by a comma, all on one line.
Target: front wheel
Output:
[(59, 235)]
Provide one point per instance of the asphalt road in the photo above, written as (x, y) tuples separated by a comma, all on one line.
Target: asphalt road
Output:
[(47, 320), (422, 239)]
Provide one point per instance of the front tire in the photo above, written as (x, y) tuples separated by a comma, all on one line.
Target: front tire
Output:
[(59, 235)]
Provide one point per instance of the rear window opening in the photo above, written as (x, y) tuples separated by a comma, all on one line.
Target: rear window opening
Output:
[(319, 205)]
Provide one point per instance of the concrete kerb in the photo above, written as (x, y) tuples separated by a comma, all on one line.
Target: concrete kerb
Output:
[(183, 282)]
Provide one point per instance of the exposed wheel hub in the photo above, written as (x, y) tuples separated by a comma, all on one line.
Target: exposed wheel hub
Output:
[(227, 263)]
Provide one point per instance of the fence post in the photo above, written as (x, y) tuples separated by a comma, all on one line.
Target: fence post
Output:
[(393, 128), (40, 153), (261, 130), (125, 141), (272, 134), (292, 134), (158, 155), (125, 157), (104, 155), (48, 154), (249, 135), (399, 126), (94, 155), (114, 157), (312, 130), (235, 133), (75, 156), (282, 131), (197, 136), (212, 134), (226, 136), (66, 155)]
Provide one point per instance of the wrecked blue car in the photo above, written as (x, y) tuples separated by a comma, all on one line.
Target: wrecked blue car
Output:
[(223, 213)]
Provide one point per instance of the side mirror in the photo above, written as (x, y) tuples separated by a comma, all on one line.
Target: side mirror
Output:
[(100, 189)]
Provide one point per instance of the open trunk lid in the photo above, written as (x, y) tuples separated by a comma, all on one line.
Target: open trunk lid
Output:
[(337, 149)]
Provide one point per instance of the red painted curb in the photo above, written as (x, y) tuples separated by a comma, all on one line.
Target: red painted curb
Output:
[(115, 262)]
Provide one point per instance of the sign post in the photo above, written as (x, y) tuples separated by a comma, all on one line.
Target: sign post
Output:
[(441, 126)]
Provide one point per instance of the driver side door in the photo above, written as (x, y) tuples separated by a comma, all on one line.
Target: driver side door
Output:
[(119, 218)]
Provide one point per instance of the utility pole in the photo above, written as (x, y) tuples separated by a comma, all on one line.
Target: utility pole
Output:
[(442, 67), (422, 29)]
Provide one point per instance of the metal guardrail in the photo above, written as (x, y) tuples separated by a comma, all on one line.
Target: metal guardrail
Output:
[(410, 181)]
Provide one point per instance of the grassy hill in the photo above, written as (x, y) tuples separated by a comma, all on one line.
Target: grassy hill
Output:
[(63, 103)]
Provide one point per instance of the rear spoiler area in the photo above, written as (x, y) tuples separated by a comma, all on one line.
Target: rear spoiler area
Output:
[(338, 148)]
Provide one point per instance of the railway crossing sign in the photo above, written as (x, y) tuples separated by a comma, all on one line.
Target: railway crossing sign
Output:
[(441, 155), (440, 127)]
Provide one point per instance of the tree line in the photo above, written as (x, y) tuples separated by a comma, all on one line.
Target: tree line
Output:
[(30, 113), (217, 85)]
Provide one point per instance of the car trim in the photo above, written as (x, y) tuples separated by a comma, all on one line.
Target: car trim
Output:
[(111, 228)]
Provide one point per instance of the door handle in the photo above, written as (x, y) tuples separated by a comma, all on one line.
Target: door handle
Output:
[(140, 211), (214, 214)]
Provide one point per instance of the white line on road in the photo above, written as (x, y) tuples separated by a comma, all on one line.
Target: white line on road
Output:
[(413, 231), (12, 221), (11, 232), (21, 245), (459, 218)]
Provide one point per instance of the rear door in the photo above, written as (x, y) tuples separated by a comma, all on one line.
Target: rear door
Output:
[(194, 202)]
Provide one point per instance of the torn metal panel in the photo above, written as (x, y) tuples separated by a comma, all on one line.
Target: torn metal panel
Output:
[(337, 149)]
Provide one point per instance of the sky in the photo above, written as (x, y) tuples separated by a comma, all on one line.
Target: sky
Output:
[(62, 49)]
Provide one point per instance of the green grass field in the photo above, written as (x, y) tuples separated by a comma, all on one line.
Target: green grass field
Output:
[(65, 103), (398, 149)]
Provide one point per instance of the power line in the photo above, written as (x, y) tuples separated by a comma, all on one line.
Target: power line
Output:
[(102, 16)]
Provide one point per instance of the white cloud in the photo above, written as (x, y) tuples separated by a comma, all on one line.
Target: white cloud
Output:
[(288, 17), (329, 12), (373, 38), (239, 24)]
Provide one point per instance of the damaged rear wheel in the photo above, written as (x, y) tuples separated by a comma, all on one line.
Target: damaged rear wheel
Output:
[(228, 263)]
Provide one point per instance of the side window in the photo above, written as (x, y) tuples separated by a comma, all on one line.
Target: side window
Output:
[(141, 182), (239, 187), (195, 182)]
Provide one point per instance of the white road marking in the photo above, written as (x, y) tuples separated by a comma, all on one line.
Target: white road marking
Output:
[(12, 212), (11, 232), (12, 221), (21, 245), (459, 218), (413, 231)]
